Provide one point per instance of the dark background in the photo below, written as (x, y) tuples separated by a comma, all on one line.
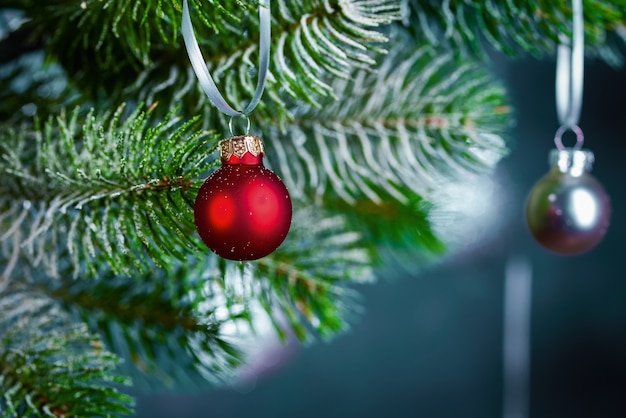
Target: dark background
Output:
[(429, 343)]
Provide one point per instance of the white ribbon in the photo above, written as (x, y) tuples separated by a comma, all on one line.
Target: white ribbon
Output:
[(202, 72), (570, 71)]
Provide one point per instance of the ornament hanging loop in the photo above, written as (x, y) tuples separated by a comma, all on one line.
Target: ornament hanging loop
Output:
[(205, 78), (570, 71), (230, 124), (558, 137)]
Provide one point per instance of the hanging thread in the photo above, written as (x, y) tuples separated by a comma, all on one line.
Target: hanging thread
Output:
[(205, 79), (570, 77)]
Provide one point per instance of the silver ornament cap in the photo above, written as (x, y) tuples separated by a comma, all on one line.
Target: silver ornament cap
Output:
[(568, 211)]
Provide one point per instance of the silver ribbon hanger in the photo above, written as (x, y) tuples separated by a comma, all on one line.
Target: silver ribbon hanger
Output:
[(204, 76), (570, 77)]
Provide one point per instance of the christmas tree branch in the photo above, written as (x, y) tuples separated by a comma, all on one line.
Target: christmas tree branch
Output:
[(182, 326), (309, 274), (397, 232), (163, 324), (49, 367), (97, 185), (175, 327), (137, 46), (514, 25), (420, 121), (118, 28), (422, 118)]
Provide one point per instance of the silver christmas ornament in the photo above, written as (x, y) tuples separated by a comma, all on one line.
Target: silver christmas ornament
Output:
[(568, 211)]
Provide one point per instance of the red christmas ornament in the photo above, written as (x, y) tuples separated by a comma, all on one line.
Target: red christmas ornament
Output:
[(243, 210)]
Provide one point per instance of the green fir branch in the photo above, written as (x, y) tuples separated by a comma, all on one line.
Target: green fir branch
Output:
[(186, 326), (307, 280), (118, 34), (102, 187), (313, 42), (319, 40), (514, 25), (398, 233), (421, 120), (134, 49), (163, 323), (104, 44), (51, 367), (423, 117)]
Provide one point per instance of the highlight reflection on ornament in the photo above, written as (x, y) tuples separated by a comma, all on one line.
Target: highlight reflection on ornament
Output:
[(568, 211)]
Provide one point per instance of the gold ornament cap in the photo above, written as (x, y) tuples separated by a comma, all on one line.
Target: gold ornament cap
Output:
[(244, 149)]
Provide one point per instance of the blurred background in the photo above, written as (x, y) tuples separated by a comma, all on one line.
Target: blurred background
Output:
[(429, 342)]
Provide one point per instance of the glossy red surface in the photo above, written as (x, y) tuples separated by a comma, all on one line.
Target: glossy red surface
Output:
[(243, 212)]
